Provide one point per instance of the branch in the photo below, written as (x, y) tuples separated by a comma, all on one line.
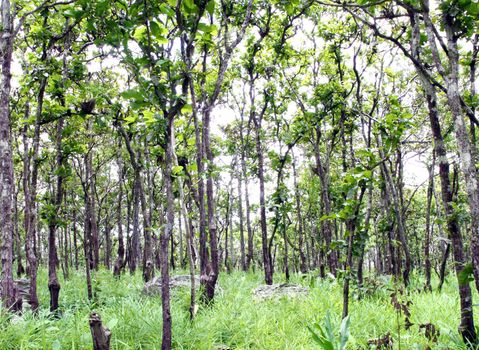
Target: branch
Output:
[(44, 5)]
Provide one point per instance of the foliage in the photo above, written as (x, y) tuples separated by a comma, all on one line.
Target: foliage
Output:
[(325, 336)]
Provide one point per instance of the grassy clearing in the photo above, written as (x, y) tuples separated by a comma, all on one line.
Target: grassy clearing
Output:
[(235, 320)]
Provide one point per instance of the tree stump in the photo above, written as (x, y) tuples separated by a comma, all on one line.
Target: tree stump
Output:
[(100, 334)]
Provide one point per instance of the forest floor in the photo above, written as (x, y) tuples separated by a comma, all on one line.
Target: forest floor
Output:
[(235, 320)]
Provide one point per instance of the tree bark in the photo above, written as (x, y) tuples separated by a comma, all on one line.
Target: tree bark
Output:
[(302, 257), (241, 222), (267, 263), (427, 241), (100, 334), (6, 158), (466, 327), (120, 260)]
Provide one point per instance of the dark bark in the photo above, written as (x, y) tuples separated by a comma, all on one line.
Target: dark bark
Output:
[(75, 238), (322, 170), (244, 173), (100, 334), (302, 257), (139, 199), (466, 327), (392, 191), (53, 282), (166, 236), (18, 244), (241, 223), (427, 241), (27, 223), (120, 260), (135, 236), (267, 263)]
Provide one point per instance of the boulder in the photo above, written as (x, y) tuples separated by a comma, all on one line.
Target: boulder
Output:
[(181, 281), (22, 287), (279, 290)]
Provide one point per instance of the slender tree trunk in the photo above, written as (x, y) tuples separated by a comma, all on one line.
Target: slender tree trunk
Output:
[(392, 190), (322, 169), (427, 241), (135, 237), (189, 230), (18, 244), (75, 238), (119, 263), (365, 236), (241, 223), (166, 236), (180, 242), (466, 150), (249, 255), (6, 158), (302, 257), (87, 246), (27, 223), (285, 240), (213, 275), (107, 241), (227, 260), (53, 282), (267, 263), (466, 327)]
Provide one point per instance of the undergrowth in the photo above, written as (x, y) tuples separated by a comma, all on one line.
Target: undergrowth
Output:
[(234, 321)]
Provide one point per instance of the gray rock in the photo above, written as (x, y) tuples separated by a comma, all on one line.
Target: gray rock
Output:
[(181, 281), (22, 287), (280, 290)]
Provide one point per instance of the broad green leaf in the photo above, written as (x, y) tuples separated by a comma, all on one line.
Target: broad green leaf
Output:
[(210, 7)]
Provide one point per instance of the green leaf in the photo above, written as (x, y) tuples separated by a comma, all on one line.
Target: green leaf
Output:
[(344, 333), (140, 33), (190, 6), (464, 276), (177, 170), (210, 7), (206, 28), (132, 94), (187, 109), (131, 119), (149, 117), (155, 28)]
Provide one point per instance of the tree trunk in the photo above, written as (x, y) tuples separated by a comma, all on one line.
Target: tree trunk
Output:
[(120, 260), (466, 327), (87, 249), (427, 241), (53, 283), (241, 223), (393, 194), (18, 244), (166, 236), (302, 258), (75, 238), (210, 282), (100, 334), (135, 237), (267, 263), (6, 160), (27, 223)]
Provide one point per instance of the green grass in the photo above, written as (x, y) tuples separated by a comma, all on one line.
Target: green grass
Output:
[(235, 320)]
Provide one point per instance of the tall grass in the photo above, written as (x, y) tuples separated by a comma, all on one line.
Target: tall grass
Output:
[(235, 320)]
